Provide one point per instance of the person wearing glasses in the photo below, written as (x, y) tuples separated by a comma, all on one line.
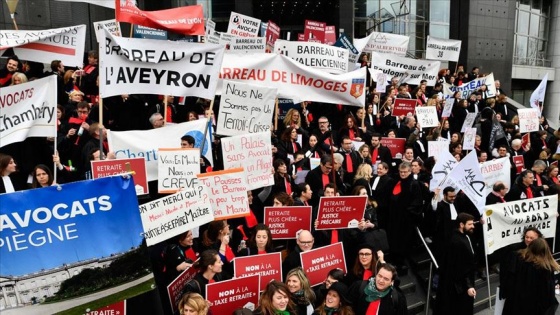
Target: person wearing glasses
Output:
[(365, 265), (304, 241), (334, 275), (326, 138)]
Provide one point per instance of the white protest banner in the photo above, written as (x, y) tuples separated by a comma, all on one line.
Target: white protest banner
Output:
[(245, 108), (151, 66), (470, 87), (528, 119), (246, 45), (497, 170), (294, 80), (145, 143), (227, 192), (448, 107), (252, 152), (177, 168), (468, 122), (175, 214), (469, 138), (210, 27), (212, 39), (225, 39), (387, 43), (65, 44), (104, 3), (243, 25), (435, 148), (28, 110), (112, 26), (427, 116), (315, 55), (445, 163), (412, 70), (505, 222), (442, 49), (467, 177), (537, 97)]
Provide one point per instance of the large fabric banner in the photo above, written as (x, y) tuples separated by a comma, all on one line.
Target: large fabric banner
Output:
[(443, 49), (497, 170), (28, 110), (470, 87), (384, 43), (187, 20), (145, 143), (467, 177), (245, 108), (294, 80), (409, 70), (104, 3), (50, 227), (505, 222), (66, 44), (151, 66), (445, 163), (315, 55), (243, 25)]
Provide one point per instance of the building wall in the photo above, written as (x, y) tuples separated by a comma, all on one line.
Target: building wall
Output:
[(552, 99)]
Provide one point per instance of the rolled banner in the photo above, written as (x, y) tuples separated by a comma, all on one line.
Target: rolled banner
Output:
[(12, 4)]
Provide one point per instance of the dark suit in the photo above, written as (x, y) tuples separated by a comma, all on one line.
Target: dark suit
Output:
[(383, 154), (315, 181)]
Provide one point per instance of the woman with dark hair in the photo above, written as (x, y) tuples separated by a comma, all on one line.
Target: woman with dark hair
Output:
[(532, 290), (283, 181), (7, 168), (217, 237), (210, 271), (336, 302), (288, 145), (276, 299), (260, 242), (42, 176), (365, 264), (282, 199), (180, 255), (350, 129)]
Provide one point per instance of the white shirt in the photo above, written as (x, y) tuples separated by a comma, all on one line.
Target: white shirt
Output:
[(8, 184)]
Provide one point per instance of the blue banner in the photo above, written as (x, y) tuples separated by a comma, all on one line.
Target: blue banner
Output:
[(49, 227), (345, 42), (140, 31)]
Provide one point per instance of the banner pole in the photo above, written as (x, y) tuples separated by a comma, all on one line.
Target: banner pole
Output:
[(165, 108), (208, 120), (14, 20), (131, 28), (484, 237), (55, 168)]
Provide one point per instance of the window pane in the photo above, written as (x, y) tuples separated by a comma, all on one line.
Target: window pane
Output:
[(521, 47), (439, 11), (536, 6), (523, 23), (543, 28), (524, 4), (441, 31), (532, 49), (546, 7), (534, 25)]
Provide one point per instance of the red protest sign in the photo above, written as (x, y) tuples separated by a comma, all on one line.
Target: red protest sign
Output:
[(525, 141), (395, 145), (187, 20), (272, 34), (403, 106), (330, 35), (284, 222), (115, 308), (175, 288), (300, 37), (314, 31), (340, 212), (268, 266), (519, 162), (106, 168), (317, 262), (228, 295)]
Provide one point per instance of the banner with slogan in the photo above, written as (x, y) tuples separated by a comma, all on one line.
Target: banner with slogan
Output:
[(495, 171), (295, 80), (342, 212), (243, 25), (404, 106), (445, 163), (225, 296), (345, 42), (317, 262), (519, 162), (139, 31), (505, 222), (528, 119), (314, 31), (442, 49), (186, 20), (330, 35), (427, 116), (447, 108), (466, 176), (151, 66), (247, 45), (177, 168), (395, 145), (106, 168), (145, 143), (435, 148), (468, 122), (470, 87), (315, 55), (175, 214), (469, 138), (284, 222), (227, 192), (112, 26), (267, 266), (65, 43), (272, 35), (386, 43), (175, 288), (411, 71), (253, 152), (28, 110), (79, 221), (245, 108)]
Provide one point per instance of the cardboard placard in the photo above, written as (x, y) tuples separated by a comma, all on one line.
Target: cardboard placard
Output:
[(469, 120), (528, 119), (227, 193), (176, 168), (427, 116), (105, 168), (175, 288), (403, 106), (267, 266), (469, 139), (317, 262), (284, 222), (340, 212), (519, 162), (228, 295), (448, 107), (395, 145)]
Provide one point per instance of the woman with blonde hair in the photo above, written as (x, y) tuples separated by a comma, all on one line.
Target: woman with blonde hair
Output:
[(19, 78), (363, 177), (532, 290), (193, 304), (302, 294)]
